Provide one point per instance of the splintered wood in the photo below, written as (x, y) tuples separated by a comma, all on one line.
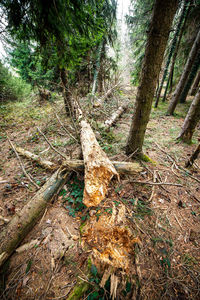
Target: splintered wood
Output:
[(98, 168), (111, 240)]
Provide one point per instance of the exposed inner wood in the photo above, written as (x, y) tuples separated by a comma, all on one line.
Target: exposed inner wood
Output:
[(98, 168)]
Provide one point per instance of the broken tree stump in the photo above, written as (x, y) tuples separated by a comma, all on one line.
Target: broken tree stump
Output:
[(108, 123), (23, 221), (98, 168)]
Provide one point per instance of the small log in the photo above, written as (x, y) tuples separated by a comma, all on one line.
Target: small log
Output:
[(108, 123), (44, 163), (194, 156), (98, 168), (120, 166), (23, 221)]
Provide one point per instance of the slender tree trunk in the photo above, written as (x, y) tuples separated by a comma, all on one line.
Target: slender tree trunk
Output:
[(190, 79), (194, 156), (185, 74), (171, 72), (156, 43), (172, 49), (191, 120), (65, 92), (97, 67), (195, 84)]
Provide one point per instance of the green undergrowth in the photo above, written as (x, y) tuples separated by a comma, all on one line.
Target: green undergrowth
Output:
[(73, 197)]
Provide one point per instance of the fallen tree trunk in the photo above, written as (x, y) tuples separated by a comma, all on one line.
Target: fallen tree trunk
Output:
[(115, 116), (99, 102), (98, 168), (194, 156), (78, 165), (23, 222), (42, 162)]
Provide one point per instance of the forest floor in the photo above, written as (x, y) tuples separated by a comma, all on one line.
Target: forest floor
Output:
[(164, 263)]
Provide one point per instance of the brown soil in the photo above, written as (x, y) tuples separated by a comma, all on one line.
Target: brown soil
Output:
[(147, 235)]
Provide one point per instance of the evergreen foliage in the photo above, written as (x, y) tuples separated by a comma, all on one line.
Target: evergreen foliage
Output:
[(11, 87)]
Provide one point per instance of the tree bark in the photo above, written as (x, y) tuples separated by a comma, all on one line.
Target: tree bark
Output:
[(172, 50), (185, 74), (42, 162), (195, 84), (171, 72), (98, 168), (156, 43), (66, 94), (194, 156), (191, 120), (23, 221), (190, 79), (96, 70), (108, 123), (78, 165)]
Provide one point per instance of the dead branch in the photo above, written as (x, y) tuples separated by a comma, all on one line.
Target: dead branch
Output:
[(65, 129), (156, 183), (49, 143), (22, 165), (44, 163)]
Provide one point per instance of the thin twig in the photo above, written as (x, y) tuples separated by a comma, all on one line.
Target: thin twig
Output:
[(131, 155), (49, 143), (65, 129), (21, 164), (156, 183)]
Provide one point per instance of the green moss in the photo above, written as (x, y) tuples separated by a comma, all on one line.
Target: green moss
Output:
[(78, 291), (146, 158)]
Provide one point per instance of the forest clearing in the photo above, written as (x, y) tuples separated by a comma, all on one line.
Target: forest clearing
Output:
[(99, 177)]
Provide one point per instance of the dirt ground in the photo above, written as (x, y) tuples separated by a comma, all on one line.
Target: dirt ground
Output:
[(143, 240)]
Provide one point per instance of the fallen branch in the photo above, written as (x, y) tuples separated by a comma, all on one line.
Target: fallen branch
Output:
[(65, 129), (51, 146), (115, 116), (78, 165), (21, 164), (44, 163), (24, 220), (156, 183)]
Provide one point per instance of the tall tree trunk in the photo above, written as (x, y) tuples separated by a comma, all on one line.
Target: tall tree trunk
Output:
[(171, 51), (185, 74), (171, 72), (66, 93), (97, 67), (163, 14), (195, 84), (190, 78), (191, 120)]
